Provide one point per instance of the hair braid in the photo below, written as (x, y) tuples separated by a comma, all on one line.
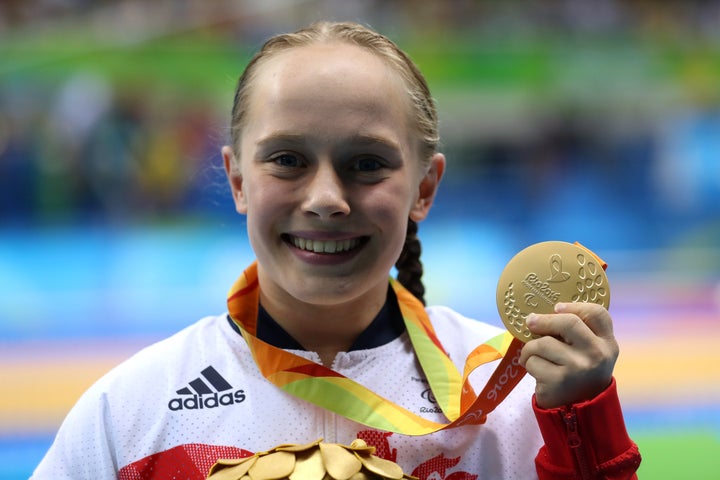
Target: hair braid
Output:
[(409, 266)]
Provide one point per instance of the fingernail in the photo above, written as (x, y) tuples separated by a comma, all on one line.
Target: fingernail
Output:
[(560, 307), (531, 320)]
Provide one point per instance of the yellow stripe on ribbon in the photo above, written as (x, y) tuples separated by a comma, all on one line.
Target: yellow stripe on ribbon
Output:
[(333, 391)]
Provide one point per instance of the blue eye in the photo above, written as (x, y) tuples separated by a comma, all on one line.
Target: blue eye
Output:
[(287, 160), (368, 164)]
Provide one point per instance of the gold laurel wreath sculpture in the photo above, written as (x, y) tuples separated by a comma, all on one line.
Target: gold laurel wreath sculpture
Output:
[(314, 461)]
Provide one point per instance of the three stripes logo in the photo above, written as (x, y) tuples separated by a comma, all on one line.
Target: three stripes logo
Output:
[(210, 390)]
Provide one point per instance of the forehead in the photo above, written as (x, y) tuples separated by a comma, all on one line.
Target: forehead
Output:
[(326, 82), (333, 63)]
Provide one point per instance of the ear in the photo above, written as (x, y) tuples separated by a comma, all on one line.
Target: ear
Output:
[(428, 188), (232, 170)]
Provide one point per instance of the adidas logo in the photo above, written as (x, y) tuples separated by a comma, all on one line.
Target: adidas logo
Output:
[(206, 392)]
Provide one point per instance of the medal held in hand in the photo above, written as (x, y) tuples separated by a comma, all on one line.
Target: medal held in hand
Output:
[(544, 274)]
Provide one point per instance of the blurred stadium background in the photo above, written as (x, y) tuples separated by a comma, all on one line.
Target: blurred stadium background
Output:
[(588, 120)]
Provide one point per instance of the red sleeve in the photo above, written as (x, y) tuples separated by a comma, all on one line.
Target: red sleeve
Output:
[(586, 441)]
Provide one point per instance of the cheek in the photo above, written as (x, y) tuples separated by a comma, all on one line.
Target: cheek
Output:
[(263, 203), (391, 205), (263, 195)]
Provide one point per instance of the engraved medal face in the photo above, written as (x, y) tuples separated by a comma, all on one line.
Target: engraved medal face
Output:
[(544, 274)]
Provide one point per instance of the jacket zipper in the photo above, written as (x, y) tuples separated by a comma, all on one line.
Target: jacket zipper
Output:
[(575, 443)]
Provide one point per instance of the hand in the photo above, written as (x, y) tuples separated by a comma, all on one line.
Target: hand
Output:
[(574, 359)]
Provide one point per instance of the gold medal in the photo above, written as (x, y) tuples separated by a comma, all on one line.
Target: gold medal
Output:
[(544, 274)]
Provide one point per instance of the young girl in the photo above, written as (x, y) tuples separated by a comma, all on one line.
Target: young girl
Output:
[(333, 161)]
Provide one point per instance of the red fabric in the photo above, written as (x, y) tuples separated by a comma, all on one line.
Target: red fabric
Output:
[(599, 448), (187, 462)]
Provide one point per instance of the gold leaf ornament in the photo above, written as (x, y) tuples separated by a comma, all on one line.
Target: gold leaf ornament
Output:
[(312, 461), (340, 463), (232, 469), (273, 466), (308, 465), (381, 467)]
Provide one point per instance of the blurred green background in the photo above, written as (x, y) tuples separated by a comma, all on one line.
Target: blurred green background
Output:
[(596, 121)]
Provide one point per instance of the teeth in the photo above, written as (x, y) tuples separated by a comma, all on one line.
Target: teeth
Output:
[(325, 246)]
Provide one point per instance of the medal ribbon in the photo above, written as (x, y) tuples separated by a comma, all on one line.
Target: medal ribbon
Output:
[(333, 391)]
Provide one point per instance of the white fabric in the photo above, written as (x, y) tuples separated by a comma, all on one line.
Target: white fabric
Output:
[(126, 415)]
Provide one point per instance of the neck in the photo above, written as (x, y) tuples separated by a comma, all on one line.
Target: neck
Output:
[(325, 329)]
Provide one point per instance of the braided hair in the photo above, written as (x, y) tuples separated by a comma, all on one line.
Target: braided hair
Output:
[(409, 266)]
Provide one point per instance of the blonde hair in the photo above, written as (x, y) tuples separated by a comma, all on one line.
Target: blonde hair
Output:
[(423, 107)]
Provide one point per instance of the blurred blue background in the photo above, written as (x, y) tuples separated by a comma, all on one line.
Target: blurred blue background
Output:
[(596, 121)]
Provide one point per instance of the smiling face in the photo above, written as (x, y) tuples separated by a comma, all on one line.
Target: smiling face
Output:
[(328, 171)]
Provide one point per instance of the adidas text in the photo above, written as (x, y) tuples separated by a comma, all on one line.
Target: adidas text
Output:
[(199, 402)]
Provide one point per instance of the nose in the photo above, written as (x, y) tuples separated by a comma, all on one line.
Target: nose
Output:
[(326, 195)]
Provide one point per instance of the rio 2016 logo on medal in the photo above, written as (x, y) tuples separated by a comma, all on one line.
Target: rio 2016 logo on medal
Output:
[(544, 274)]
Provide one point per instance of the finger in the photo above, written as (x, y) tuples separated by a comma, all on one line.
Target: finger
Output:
[(568, 327), (599, 356), (543, 370), (595, 316), (548, 377), (549, 348)]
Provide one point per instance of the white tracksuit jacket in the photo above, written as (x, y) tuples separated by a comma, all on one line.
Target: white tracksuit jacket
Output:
[(145, 419)]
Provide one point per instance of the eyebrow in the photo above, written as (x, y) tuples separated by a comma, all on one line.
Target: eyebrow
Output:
[(281, 137), (359, 140), (373, 140)]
